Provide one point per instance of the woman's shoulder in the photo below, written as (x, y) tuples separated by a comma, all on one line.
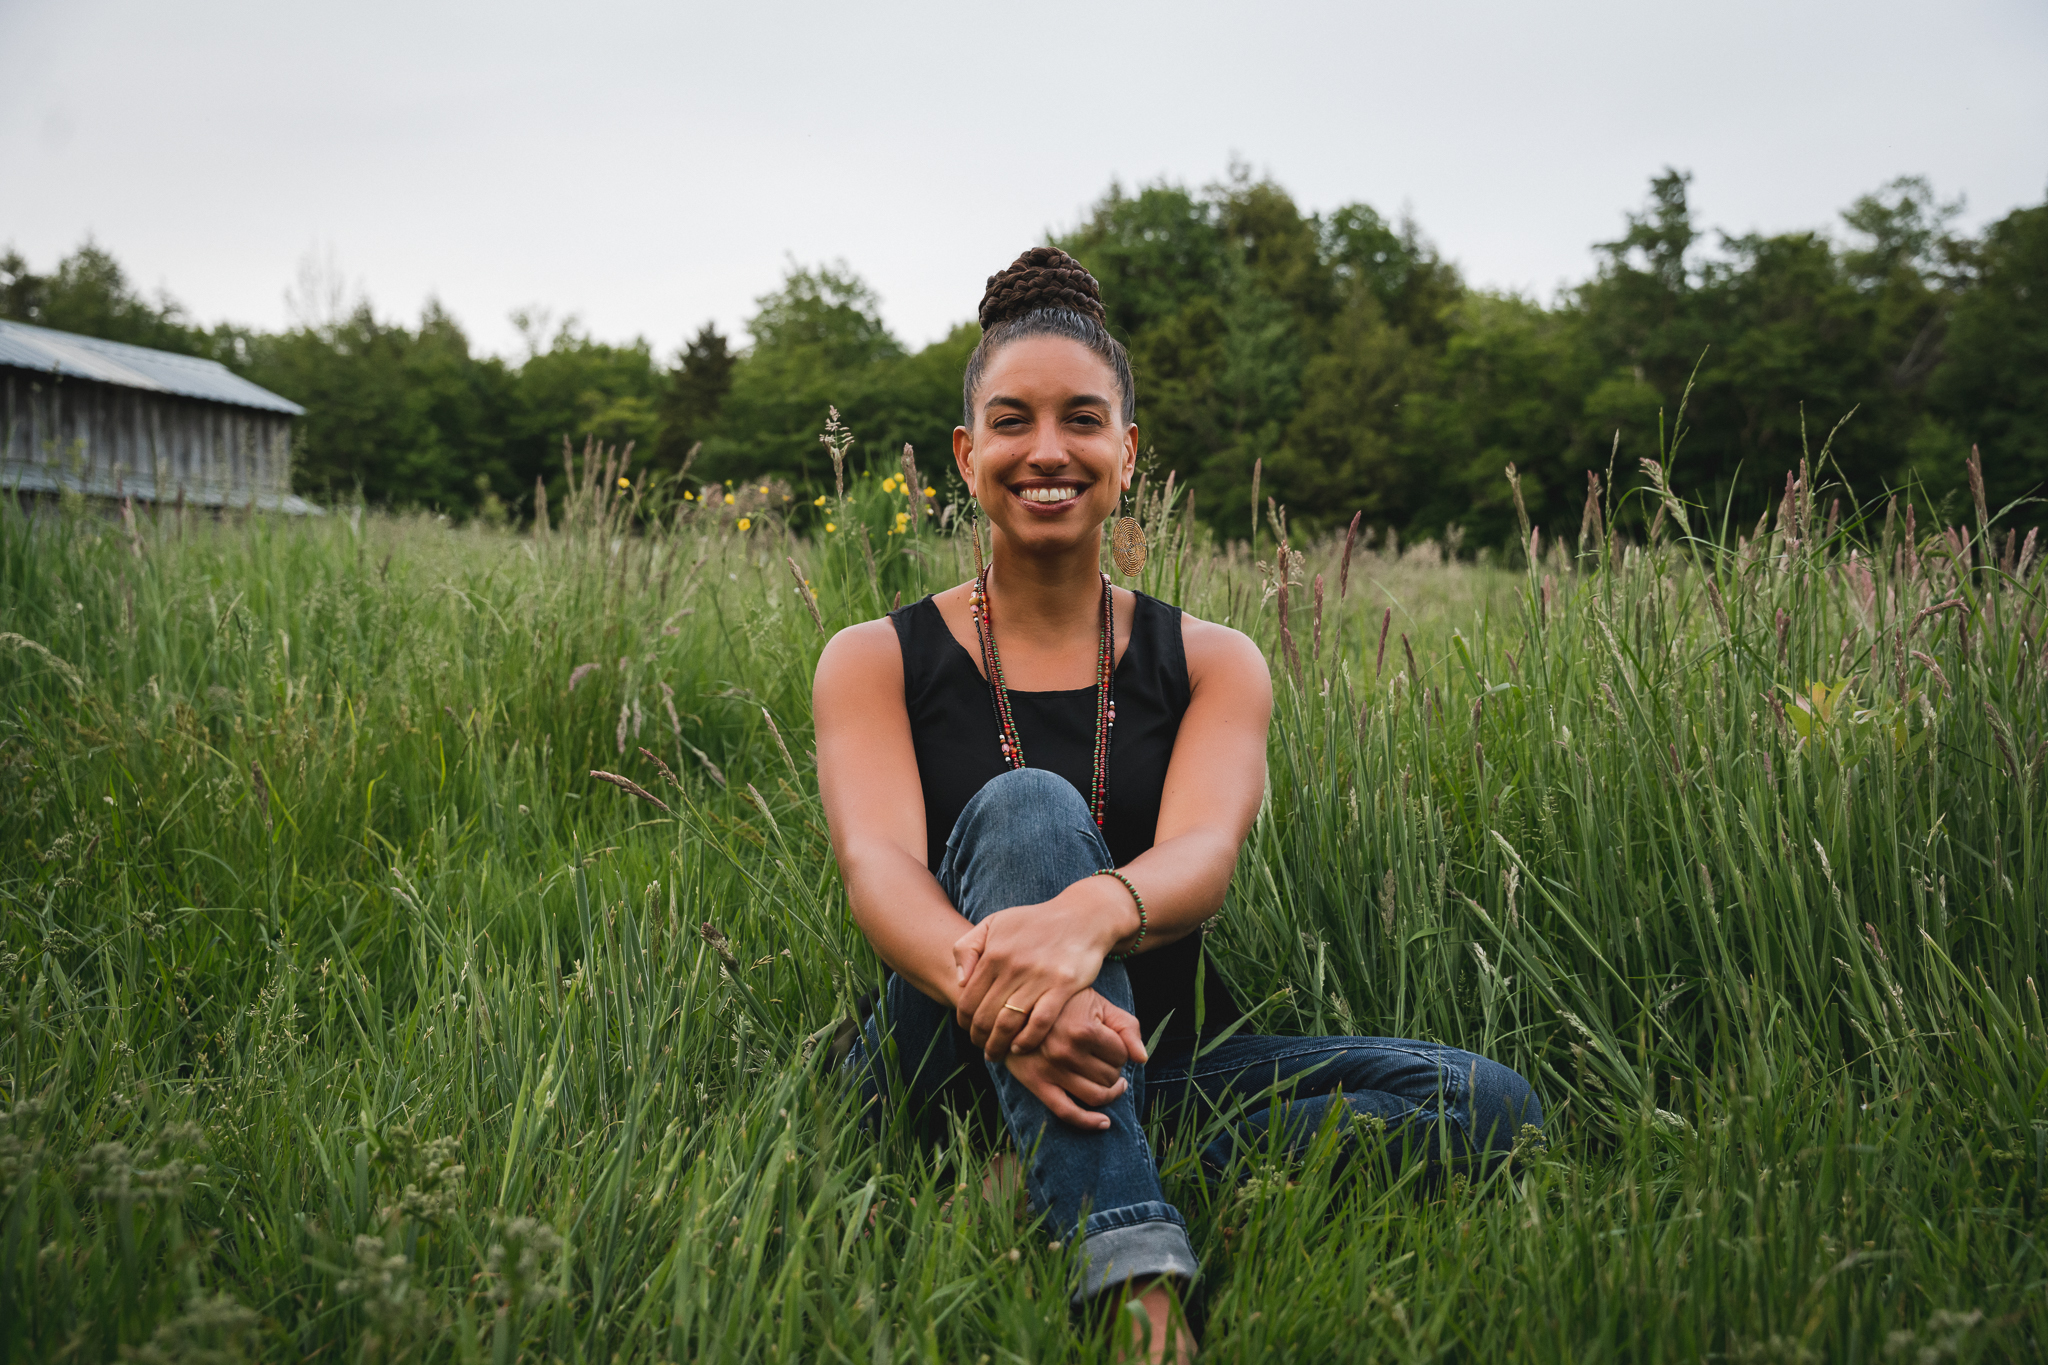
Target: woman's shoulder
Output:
[(867, 651), (1217, 653)]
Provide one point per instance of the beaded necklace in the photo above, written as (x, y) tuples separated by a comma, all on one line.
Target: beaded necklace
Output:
[(999, 690)]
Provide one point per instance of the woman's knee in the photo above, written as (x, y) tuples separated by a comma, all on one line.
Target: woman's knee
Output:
[(1503, 1104), (1032, 797), (1025, 837)]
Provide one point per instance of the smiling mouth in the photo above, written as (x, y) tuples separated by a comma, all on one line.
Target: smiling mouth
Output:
[(1057, 493)]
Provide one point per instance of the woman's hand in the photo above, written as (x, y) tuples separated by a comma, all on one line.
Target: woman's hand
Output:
[(1082, 1061), (1019, 967)]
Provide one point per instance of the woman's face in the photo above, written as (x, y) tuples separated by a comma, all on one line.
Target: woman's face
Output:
[(1049, 454)]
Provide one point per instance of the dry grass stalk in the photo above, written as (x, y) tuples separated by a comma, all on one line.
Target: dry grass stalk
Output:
[(64, 670), (1976, 468), (803, 590), (721, 945), (867, 551), (1344, 561), (1952, 604), (913, 487), (1935, 669), (837, 440), (628, 785), (1286, 631), (769, 716), (717, 773), (128, 525), (1316, 653), (666, 771), (1258, 468), (1589, 520), (1159, 529), (1720, 608), (1521, 509), (262, 789)]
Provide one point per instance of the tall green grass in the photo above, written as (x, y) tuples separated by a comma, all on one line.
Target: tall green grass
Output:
[(347, 1015)]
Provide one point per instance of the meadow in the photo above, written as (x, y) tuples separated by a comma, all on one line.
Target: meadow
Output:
[(348, 1016)]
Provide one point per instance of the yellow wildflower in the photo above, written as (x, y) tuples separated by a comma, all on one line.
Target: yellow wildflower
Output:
[(831, 527), (728, 499), (688, 496), (931, 492), (624, 482), (818, 501), (745, 524)]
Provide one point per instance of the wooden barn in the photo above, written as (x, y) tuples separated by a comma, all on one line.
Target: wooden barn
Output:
[(110, 420)]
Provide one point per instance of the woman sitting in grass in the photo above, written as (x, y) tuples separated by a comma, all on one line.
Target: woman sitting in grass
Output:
[(1037, 786)]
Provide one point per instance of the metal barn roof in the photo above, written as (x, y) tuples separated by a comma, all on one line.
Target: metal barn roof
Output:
[(135, 367)]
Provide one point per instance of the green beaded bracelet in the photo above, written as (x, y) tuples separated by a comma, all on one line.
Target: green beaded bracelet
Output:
[(1142, 923)]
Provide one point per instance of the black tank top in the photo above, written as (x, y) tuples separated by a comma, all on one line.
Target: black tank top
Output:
[(953, 728)]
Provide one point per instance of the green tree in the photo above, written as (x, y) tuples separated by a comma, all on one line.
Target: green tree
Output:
[(694, 392), (408, 417), (1781, 338), (578, 389), (818, 341), (1991, 389), (90, 294), (1509, 385)]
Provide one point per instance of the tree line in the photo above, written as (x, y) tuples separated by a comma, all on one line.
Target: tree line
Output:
[(1335, 358)]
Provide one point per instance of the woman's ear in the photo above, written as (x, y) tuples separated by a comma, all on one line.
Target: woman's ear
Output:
[(1130, 472), (963, 457)]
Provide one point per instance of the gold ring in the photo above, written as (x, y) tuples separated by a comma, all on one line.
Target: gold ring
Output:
[(1008, 1006)]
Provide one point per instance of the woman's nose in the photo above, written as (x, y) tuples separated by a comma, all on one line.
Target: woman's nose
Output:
[(1046, 447)]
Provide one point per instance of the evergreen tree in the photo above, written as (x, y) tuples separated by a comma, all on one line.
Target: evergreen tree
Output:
[(694, 393), (1992, 387)]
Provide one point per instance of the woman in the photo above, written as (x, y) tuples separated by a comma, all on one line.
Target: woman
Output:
[(1033, 859)]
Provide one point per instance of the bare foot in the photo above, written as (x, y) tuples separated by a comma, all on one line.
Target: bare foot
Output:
[(1005, 1177), (1148, 1319)]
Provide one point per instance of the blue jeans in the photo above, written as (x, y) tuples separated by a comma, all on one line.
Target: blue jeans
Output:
[(1024, 838)]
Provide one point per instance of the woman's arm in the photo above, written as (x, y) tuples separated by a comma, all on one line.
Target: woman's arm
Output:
[(1214, 785), (874, 804)]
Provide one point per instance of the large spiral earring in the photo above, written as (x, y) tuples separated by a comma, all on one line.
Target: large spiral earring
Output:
[(1127, 546)]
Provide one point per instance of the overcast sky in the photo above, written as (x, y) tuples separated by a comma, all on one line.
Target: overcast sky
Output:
[(648, 167)]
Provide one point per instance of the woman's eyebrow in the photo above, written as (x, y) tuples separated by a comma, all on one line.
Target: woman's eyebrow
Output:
[(1079, 400)]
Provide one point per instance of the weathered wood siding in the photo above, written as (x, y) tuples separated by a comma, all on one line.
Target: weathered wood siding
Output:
[(150, 444)]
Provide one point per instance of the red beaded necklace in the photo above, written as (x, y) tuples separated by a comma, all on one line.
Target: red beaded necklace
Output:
[(999, 690)]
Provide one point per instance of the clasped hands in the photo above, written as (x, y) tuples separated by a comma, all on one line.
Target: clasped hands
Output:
[(1026, 979)]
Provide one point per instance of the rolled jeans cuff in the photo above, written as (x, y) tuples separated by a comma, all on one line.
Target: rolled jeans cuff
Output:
[(1136, 1242)]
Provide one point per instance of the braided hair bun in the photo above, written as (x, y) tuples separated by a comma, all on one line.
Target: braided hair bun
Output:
[(1043, 277), (1046, 293)]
